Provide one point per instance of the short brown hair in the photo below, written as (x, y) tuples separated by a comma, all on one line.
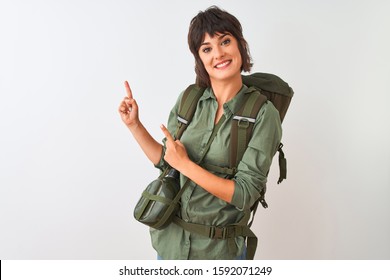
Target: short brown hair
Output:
[(213, 21)]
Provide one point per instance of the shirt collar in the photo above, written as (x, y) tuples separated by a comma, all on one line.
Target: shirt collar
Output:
[(233, 104), (208, 93)]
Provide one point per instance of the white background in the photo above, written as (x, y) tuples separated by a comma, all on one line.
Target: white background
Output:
[(70, 172)]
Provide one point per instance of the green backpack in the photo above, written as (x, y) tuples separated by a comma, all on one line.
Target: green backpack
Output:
[(263, 87)]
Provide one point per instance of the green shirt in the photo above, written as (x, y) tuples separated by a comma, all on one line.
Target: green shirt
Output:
[(198, 205)]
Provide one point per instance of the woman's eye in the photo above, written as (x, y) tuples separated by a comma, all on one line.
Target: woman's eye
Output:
[(225, 42), (206, 50)]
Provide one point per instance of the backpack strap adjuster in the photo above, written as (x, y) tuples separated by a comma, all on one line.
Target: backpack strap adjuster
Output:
[(244, 122), (218, 233)]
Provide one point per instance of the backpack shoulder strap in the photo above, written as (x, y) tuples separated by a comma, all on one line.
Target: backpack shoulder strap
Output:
[(187, 108), (242, 124), (241, 132)]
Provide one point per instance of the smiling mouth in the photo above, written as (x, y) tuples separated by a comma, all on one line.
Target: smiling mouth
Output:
[(223, 64)]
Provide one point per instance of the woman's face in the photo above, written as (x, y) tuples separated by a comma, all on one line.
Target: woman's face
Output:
[(220, 56)]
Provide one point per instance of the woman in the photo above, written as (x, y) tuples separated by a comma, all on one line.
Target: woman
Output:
[(212, 199)]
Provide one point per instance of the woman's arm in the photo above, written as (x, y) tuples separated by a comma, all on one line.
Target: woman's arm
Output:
[(128, 110), (217, 186), (177, 157)]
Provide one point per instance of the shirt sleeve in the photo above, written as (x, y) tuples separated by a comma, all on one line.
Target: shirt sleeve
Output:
[(252, 171), (171, 126)]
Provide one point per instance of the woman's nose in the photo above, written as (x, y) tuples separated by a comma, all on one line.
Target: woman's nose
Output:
[(219, 52)]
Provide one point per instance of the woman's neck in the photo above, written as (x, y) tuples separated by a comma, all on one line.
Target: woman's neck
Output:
[(226, 90)]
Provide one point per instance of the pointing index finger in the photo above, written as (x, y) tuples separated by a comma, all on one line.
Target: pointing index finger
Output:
[(166, 133), (128, 90)]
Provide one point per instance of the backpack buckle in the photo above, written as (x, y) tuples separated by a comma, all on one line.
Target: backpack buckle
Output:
[(243, 123), (218, 233)]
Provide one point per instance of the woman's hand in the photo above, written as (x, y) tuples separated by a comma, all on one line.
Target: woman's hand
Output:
[(128, 109), (175, 153)]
